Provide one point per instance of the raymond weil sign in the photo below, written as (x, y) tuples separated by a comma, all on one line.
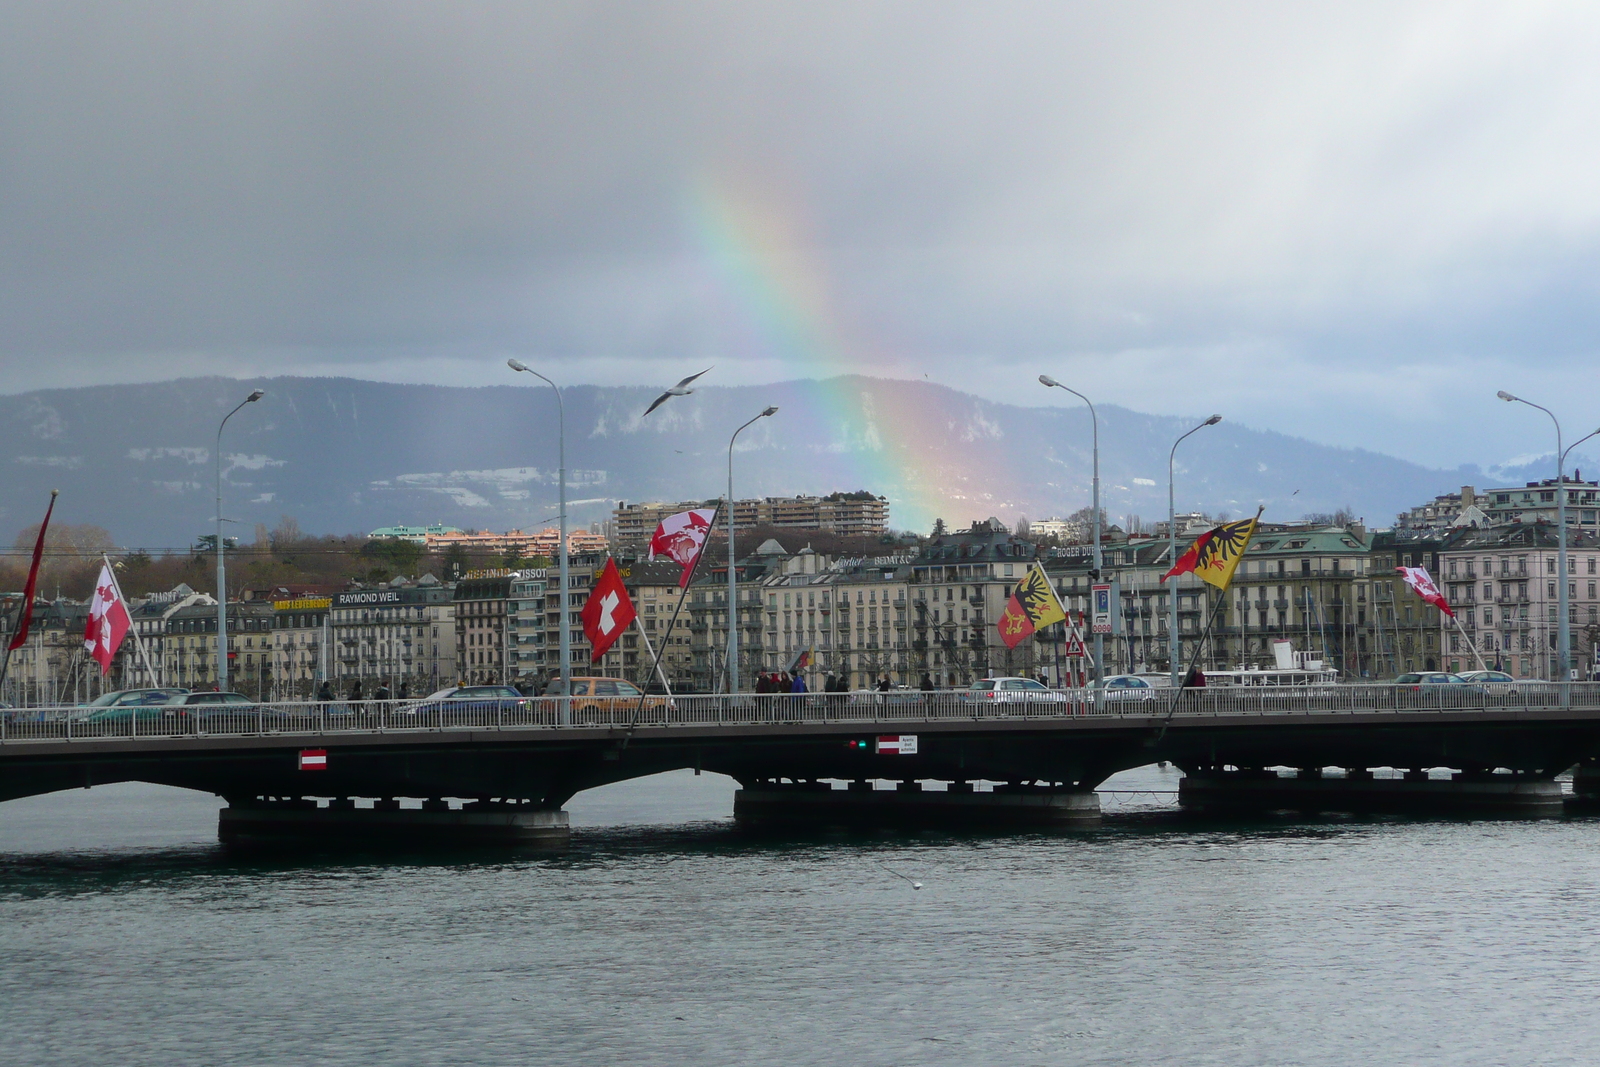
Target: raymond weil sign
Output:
[(366, 598)]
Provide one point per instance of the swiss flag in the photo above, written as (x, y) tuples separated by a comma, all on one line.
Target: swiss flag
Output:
[(608, 611), (108, 621)]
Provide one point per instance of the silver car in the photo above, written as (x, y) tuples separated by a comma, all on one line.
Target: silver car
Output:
[(1011, 691)]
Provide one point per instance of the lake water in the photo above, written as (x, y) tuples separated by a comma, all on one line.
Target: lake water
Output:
[(663, 937)]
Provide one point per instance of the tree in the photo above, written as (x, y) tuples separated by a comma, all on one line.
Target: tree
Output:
[(938, 528), (1343, 517)]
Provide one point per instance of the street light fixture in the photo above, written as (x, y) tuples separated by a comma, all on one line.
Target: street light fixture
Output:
[(222, 574), (565, 637), (1099, 639), (733, 570), (1172, 542), (1563, 623)]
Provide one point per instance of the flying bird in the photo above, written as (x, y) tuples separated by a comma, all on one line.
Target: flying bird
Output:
[(681, 389)]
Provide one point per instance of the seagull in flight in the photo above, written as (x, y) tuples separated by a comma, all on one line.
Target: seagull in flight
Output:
[(681, 389)]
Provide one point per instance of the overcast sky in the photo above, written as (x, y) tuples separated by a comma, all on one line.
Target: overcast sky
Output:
[(1350, 222)]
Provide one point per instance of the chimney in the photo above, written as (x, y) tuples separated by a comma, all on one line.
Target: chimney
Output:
[(1469, 496)]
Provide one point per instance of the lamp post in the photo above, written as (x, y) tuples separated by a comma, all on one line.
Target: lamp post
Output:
[(565, 637), (222, 574), (733, 570), (1172, 541), (1094, 419), (1563, 623)]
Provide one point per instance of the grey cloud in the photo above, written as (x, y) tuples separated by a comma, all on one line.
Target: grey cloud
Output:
[(1355, 193)]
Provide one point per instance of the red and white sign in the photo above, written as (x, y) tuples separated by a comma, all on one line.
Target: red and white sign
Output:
[(108, 623), (607, 612), (898, 745), (680, 537), (1417, 578), (313, 759)]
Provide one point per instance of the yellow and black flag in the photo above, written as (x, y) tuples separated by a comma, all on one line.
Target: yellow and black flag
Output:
[(1032, 607), (1215, 554)]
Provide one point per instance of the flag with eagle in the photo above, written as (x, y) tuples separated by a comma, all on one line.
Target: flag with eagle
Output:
[(1033, 606), (1215, 554)]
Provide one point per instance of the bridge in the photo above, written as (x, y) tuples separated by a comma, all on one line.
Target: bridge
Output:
[(502, 770)]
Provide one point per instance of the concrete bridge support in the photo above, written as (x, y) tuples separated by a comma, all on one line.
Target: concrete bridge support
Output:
[(1476, 791), (781, 804), (267, 822)]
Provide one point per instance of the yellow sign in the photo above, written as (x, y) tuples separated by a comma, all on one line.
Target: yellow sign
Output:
[(316, 603)]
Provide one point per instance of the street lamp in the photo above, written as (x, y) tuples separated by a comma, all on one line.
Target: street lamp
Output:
[(733, 570), (561, 477), (1172, 541), (1563, 623), (222, 574), (1094, 419)]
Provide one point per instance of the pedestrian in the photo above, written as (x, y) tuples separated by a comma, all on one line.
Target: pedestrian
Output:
[(883, 684), (355, 691), (799, 684), (325, 694), (405, 689), (927, 682), (382, 692)]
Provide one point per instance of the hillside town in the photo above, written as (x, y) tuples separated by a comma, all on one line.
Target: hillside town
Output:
[(828, 577)]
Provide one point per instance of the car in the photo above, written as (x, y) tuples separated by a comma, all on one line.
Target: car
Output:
[(1132, 687), (605, 694), (1010, 690), (124, 705), (1495, 683), (211, 705), (460, 701), (1441, 682)]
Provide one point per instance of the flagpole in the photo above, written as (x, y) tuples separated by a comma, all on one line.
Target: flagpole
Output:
[(672, 622), (138, 642), (651, 652), (1200, 645), (1471, 644)]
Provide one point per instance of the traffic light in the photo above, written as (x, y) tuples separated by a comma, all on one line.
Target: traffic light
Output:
[(861, 745)]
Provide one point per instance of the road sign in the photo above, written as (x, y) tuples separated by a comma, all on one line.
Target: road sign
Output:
[(313, 759), (1102, 608), (898, 745)]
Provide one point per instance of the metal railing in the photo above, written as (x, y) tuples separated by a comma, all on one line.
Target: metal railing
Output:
[(867, 709)]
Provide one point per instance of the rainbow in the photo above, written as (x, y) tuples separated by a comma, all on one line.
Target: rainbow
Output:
[(784, 313)]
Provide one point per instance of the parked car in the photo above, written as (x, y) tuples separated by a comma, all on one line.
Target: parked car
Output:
[(1004, 690), (124, 697), (1495, 683)]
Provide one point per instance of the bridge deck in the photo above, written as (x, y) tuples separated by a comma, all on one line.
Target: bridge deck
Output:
[(150, 727)]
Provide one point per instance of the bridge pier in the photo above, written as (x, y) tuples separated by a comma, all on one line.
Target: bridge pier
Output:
[(812, 805), (261, 822), (1469, 792)]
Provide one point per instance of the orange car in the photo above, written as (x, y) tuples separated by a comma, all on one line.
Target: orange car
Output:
[(606, 694)]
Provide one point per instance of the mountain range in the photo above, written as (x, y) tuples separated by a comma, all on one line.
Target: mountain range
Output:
[(345, 456)]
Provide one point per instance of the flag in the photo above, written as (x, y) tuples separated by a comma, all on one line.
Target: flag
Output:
[(1417, 578), (680, 537), (1032, 607), (108, 623), (803, 659), (25, 616), (607, 612), (1215, 554)]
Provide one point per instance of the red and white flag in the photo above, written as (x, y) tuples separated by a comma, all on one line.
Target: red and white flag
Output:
[(681, 537), (608, 611), (108, 623), (1417, 578)]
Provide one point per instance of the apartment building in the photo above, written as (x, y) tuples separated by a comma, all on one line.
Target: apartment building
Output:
[(1502, 583), (848, 514)]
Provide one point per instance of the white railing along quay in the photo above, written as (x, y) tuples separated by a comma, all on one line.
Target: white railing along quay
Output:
[(893, 709)]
